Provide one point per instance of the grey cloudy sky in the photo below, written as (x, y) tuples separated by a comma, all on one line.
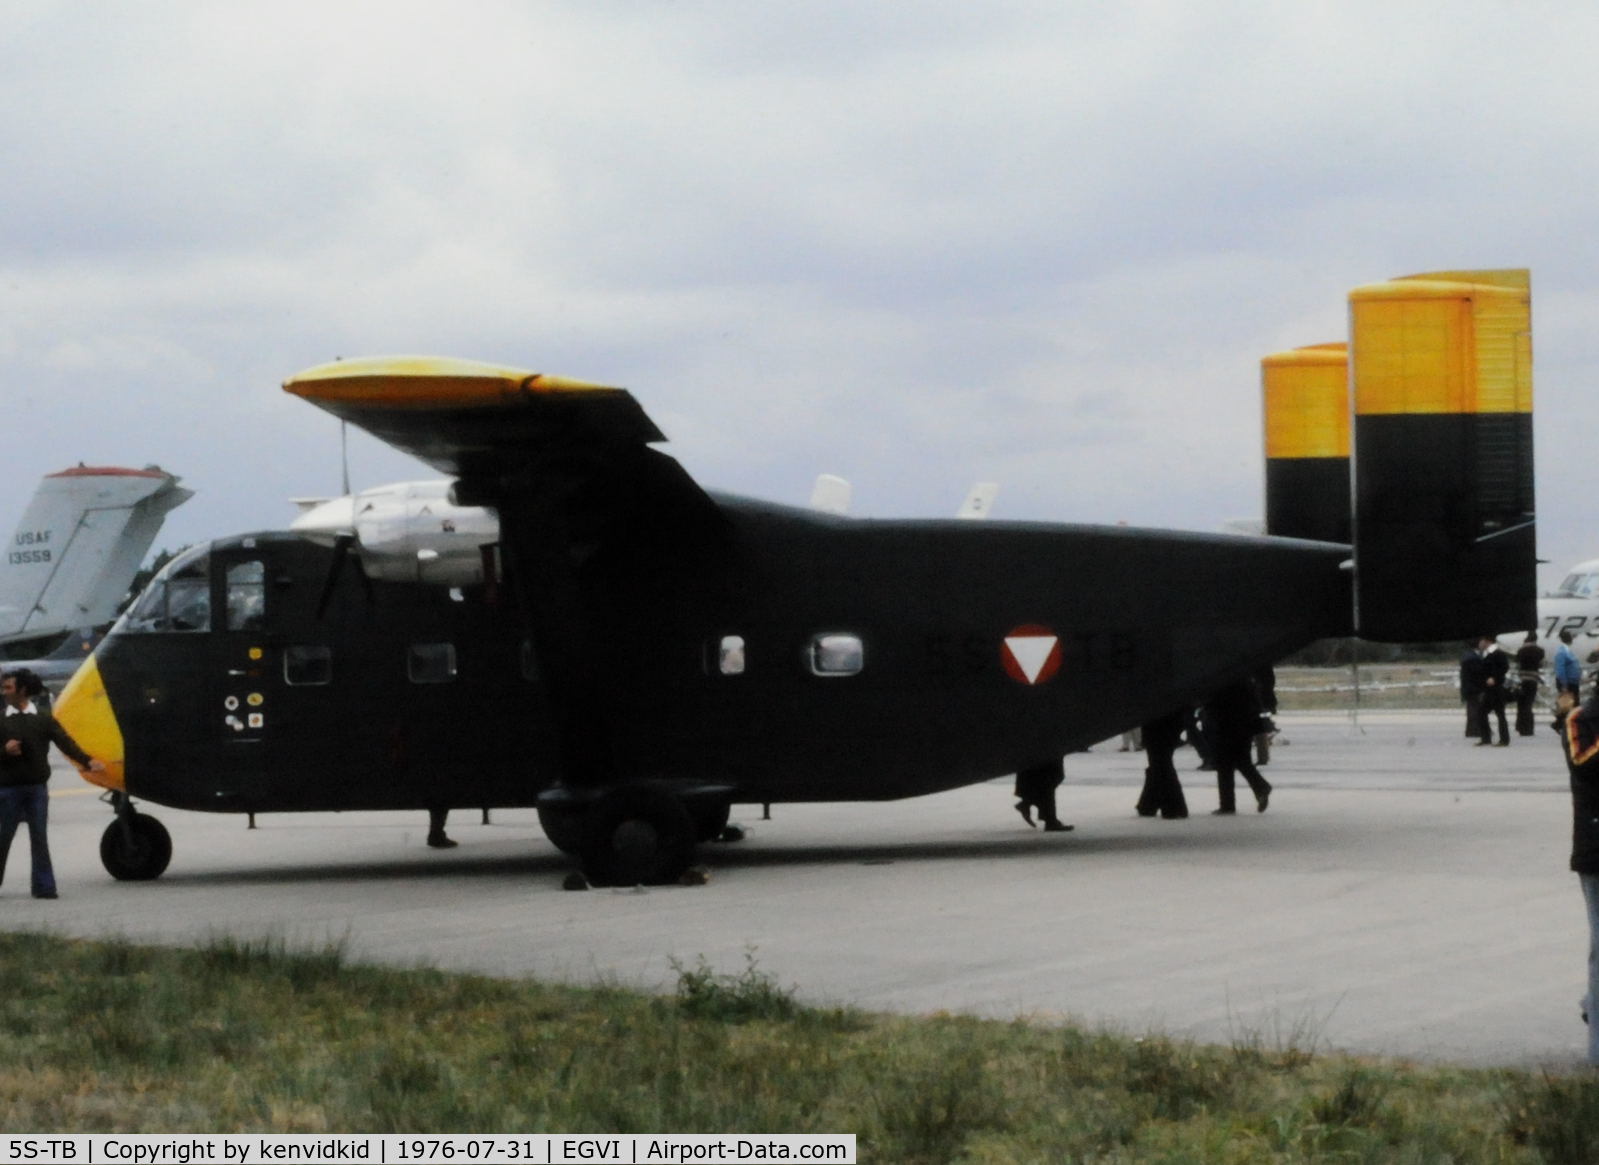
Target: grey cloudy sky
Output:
[(914, 244)]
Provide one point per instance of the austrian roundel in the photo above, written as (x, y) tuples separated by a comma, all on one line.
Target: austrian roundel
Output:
[(1031, 654)]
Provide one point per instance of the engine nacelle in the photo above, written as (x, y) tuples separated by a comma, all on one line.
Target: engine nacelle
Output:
[(407, 532)]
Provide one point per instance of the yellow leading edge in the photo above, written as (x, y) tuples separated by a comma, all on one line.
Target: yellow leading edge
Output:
[(1307, 401), (427, 382), (1448, 342), (84, 710)]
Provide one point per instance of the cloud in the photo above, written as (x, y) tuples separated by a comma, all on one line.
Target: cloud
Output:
[(915, 245)]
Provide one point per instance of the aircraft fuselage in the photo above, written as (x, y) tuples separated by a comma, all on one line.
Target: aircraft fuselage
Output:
[(801, 658)]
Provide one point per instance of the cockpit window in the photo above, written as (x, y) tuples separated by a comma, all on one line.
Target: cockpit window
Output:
[(1578, 586), (179, 598), (246, 596)]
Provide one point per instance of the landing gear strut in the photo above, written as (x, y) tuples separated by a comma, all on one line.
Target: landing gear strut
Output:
[(135, 847)]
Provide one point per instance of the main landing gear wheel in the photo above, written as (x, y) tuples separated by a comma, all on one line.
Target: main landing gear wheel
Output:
[(135, 848), (638, 835)]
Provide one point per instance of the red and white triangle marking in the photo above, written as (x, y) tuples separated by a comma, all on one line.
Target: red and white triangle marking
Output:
[(1031, 654)]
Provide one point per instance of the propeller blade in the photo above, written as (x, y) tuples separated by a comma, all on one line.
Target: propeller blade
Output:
[(490, 554), (366, 579), (341, 551)]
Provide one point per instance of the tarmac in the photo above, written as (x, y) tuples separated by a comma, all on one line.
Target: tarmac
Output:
[(1406, 894)]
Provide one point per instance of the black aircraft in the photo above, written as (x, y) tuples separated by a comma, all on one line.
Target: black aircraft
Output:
[(634, 655)]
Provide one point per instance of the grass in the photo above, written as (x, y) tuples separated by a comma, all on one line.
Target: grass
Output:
[(1381, 686), (253, 1036)]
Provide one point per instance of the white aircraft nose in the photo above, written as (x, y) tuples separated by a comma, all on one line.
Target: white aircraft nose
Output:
[(325, 522)]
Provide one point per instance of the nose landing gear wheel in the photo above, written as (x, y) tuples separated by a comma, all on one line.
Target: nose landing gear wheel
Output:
[(135, 848)]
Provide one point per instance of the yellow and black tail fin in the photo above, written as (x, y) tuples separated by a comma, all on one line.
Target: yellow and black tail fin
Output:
[(1306, 396), (1444, 528)]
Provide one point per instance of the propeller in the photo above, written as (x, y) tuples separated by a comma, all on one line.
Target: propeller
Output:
[(342, 544)]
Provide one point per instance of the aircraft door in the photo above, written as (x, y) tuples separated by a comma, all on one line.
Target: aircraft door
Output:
[(243, 668)]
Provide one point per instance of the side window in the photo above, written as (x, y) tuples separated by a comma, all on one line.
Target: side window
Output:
[(430, 663), (246, 596), (307, 664), (837, 654), (726, 656)]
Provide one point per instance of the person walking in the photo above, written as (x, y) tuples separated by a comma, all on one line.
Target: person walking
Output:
[(1035, 789), (1495, 671), (28, 731), (1529, 675), (1163, 790), (437, 838), (1234, 713), (1265, 681)]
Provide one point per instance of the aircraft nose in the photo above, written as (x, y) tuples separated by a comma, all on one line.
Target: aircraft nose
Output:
[(84, 710)]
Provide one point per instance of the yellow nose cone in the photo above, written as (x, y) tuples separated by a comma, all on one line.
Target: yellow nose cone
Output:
[(85, 711)]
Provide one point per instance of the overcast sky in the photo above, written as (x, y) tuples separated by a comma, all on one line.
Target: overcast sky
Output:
[(913, 244)]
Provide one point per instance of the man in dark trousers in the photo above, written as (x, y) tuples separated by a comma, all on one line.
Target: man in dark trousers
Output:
[(28, 732), (1529, 674), (1471, 689), (1266, 692), (1235, 713), (437, 838), (1163, 791), (1495, 670), (1035, 789)]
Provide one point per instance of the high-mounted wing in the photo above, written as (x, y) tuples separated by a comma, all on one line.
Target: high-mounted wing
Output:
[(471, 419), (513, 437), (586, 508)]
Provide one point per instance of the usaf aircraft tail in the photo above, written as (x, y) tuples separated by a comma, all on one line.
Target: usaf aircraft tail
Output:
[(1413, 443), (78, 546)]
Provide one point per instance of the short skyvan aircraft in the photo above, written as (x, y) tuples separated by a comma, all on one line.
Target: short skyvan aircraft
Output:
[(641, 654), (78, 546)]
